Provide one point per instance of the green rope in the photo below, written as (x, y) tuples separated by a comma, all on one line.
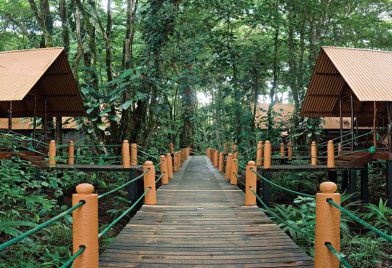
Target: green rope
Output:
[(123, 185), (277, 217), (359, 220), (123, 214), (159, 178), (238, 180), (150, 155), (73, 257), (338, 255), (347, 134), (281, 187), (41, 226), (97, 145)]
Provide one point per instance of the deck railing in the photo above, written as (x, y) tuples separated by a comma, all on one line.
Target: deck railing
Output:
[(85, 203), (328, 208)]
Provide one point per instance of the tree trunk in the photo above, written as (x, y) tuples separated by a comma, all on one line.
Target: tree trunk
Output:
[(64, 25), (43, 18), (275, 81)]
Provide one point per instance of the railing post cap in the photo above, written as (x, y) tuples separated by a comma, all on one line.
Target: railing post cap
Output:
[(267, 141), (328, 187), (85, 188), (168, 154), (148, 163), (313, 143), (290, 142), (251, 163), (230, 154), (162, 157), (260, 142), (330, 141), (71, 142), (125, 141), (52, 141)]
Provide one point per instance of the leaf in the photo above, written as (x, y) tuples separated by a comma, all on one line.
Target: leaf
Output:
[(126, 105), (90, 110), (102, 126)]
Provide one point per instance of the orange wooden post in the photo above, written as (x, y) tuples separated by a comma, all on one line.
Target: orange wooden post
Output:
[(221, 159), (290, 151), (228, 166), (233, 148), (71, 153), (331, 154), (235, 154), (133, 154), (169, 162), (85, 227), (313, 154), (216, 164), (259, 154), (178, 161), (149, 183), (282, 151), (251, 181), (52, 153), (225, 151), (234, 172), (267, 155), (163, 167), (171, 147), (126, 160), (327, 226)]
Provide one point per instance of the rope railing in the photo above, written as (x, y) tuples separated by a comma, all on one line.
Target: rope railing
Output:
[(85, 221), (126, 212), (344, 135), (147, 154), (280, 186), (327, 229), (360, 221), (41, 226), (22, 137), (338, 255), (70, 261), (160, 177), (123, 185), (278, 217)]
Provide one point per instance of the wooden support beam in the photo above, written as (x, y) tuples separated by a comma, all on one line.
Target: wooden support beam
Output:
[(365, 185)]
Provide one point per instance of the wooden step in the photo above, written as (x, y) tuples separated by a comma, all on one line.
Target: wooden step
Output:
[(355, 159)]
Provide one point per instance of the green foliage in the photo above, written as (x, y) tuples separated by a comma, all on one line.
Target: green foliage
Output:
[(29, 199), (361, 247)]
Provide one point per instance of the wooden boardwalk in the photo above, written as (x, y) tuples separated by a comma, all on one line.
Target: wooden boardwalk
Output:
[(201, 221)]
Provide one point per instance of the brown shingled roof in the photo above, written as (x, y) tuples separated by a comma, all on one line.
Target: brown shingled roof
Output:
[(41, 74), (342, 72)]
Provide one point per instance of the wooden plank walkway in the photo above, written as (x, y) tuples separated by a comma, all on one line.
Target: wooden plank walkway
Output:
[(200, 221)]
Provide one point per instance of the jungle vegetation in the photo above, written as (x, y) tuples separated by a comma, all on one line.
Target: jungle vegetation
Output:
[(189, 72)]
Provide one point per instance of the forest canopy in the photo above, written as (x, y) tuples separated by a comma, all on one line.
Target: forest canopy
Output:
[(191, 72)]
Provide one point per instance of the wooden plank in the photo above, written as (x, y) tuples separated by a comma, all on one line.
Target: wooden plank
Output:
[(201, 221)]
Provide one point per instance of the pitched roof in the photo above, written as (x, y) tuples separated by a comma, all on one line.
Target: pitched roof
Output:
[(42, 75), (367, 72), (341, 72)]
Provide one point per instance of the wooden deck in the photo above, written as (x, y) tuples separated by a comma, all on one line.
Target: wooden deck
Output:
[(201, 221)]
